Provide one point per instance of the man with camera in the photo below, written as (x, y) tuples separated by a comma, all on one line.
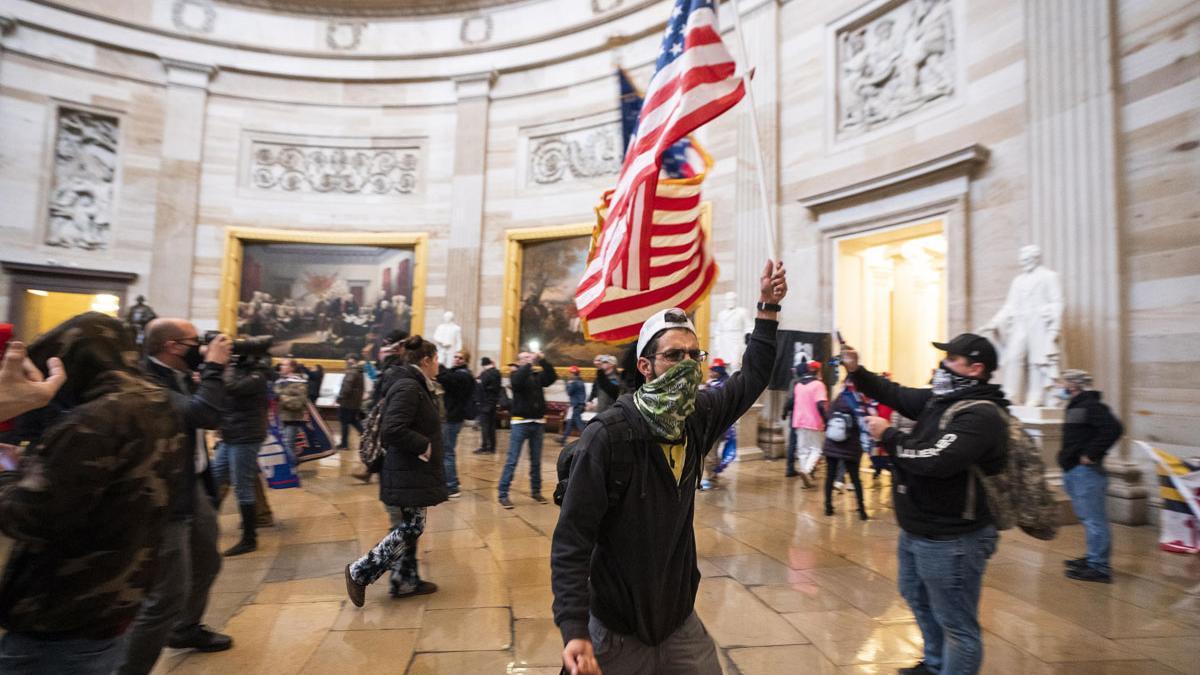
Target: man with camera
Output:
[(243, 430), (188, 559)]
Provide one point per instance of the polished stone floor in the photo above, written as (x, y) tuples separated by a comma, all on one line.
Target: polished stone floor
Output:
[(785, 589)]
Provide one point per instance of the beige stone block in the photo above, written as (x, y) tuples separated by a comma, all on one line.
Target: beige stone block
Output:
[(452, 630)]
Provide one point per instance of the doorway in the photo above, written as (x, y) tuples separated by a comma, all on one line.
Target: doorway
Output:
[(43, 296), (890, 297)]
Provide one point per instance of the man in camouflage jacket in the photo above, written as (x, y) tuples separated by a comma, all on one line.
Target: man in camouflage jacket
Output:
[(86, 506)]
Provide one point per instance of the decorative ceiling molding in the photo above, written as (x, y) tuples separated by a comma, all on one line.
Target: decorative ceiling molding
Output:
[(374, 8)]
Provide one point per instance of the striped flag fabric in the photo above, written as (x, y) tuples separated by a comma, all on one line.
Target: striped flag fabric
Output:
[(648, 249)]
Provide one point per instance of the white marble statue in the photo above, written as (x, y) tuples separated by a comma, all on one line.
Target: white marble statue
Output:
[(1028, 331), (733, 323), (448, 338)]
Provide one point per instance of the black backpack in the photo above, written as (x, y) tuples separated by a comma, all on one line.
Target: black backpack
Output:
[(620, 460)]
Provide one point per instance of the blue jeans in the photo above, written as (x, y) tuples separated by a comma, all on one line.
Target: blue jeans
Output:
[(25, 654), (449, 461), (240, 459), (533, 431), (1086, 486), (575, 421), (940, 579)]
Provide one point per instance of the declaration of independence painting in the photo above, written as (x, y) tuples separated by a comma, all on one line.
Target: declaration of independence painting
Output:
[(324, 301)]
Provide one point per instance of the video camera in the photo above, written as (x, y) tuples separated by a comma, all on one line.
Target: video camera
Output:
[(246, 351)]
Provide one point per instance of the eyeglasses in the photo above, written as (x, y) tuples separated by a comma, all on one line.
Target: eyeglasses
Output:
[(676, 355), (195, 342)]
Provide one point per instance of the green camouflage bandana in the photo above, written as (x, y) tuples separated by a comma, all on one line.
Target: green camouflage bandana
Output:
[(666, 401)]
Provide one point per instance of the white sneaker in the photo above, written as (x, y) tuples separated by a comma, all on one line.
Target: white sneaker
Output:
[(456, 494)]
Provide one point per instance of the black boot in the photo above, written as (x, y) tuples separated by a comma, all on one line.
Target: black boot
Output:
[(249, 540)]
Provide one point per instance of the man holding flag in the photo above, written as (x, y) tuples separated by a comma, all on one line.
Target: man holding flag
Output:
[(623, 560)]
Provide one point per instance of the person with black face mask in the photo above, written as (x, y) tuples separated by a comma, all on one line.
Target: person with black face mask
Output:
[(945, 542), (188, 560)]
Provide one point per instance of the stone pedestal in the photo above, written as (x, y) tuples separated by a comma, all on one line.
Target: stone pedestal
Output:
[(1045, 426), (747, 434)]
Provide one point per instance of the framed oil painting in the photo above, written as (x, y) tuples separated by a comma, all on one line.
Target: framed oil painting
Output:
[(542, 268), (322, 295)]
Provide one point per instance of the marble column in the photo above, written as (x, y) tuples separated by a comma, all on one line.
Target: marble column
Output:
[(177, 203), (1073, 186), (466, 210)]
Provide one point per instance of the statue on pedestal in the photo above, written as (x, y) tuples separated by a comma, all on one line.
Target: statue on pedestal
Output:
[(1028, 329), (733, 324), (138, 316), (448, 338)]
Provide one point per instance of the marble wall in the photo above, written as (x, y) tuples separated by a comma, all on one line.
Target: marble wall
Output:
[(928, 116)]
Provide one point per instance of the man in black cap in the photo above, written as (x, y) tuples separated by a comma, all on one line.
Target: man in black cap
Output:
[(946, 538)]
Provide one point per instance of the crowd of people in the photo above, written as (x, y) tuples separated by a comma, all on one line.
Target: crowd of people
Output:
[(110, 496)]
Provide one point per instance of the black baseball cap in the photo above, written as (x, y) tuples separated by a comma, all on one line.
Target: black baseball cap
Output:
[(975, 347)]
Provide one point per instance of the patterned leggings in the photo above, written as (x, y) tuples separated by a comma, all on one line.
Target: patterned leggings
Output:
[(397, 551)]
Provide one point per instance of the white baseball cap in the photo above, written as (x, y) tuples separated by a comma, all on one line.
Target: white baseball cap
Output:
[(660, 321)]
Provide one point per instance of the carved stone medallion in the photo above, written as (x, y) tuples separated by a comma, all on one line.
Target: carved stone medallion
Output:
[(476, 29), (85, 168), (197, 16), (288, 167), (344, 35), (893, 64)]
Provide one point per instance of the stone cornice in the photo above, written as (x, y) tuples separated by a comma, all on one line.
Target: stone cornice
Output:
[(187, 73), (962, 161)]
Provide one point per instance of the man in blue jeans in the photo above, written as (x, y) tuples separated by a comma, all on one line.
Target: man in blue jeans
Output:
[(459, 385), (528, 422), (945, 542), (577, 395), (243, 430), (1089, 430)]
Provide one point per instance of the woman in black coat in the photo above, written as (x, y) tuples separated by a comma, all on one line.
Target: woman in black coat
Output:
[(412, 477), (843, 454)]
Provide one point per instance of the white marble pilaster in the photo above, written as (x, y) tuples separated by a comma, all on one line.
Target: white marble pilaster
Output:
[(1073, 190), (177, 202), (466, 209)]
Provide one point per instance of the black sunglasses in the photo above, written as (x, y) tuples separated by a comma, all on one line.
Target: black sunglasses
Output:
[(676, 355)]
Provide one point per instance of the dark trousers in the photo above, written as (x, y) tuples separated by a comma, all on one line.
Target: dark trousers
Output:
[(487, 430), (834, 469), (32, 654), (188, 563), (349, 419)]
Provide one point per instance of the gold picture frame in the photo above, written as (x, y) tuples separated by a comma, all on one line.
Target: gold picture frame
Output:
[(517, 239), (231, 269)]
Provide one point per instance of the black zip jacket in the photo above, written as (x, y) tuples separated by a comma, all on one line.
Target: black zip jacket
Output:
[(411, 425), (932, 468), (247, 394), (634, 565), (491, 386), (459, 387), (529, 401), (1090, 429), (198, 406)]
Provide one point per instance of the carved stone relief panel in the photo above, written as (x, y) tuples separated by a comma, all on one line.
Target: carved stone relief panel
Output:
[(894, 63), (575, 154), (372, 167), (84, 175)]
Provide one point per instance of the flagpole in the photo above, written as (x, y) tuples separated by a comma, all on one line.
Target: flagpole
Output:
[(768, 220)]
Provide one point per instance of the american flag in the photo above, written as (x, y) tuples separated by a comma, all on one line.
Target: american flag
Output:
[(650, 251)]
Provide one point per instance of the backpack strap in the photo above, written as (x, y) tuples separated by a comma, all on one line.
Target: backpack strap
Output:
[(620, 431), (975, 474)]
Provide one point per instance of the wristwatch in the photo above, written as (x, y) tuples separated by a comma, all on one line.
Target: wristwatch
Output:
[(769, 307)]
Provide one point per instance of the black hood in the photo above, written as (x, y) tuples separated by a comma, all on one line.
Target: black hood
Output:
[(1083, 398), (92, 347)]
